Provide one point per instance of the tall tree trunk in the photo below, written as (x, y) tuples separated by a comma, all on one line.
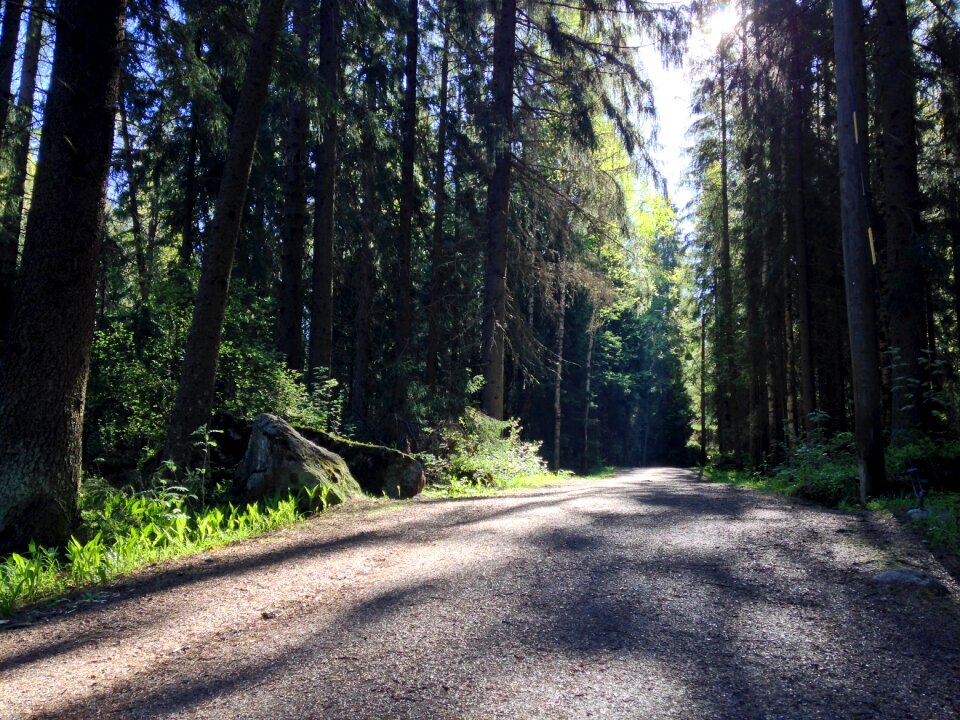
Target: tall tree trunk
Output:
[(188, 227), (498, 211), (408, 198), (9, 36), (133, 192), (293, 233), (796, 220), (365, 260), (727, 420), (440, 206), (857, 261), (900, 209), (11, 221), (321, 303), (587, 399), (195, 394), (46, 358), (558, 363), (703, 386), (758, 443)]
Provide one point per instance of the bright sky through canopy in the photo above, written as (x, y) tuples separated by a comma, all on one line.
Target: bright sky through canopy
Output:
[(671, 88)]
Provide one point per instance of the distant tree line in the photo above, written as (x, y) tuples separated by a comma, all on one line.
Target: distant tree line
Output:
[(827, 171)]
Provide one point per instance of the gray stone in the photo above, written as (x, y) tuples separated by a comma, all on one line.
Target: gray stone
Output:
[(917, 514), (279, 459), (908, 577)]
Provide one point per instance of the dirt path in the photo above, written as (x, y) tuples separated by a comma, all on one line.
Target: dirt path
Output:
[(647, 596)]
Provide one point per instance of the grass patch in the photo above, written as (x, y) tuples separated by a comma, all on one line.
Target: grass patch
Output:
[(826, 471), (123, 530)]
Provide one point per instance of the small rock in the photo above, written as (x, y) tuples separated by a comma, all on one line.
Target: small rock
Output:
[(908, 577), (916, 514)]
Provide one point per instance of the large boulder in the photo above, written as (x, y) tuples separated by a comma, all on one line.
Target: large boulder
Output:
[(379, 470), (279, 459)]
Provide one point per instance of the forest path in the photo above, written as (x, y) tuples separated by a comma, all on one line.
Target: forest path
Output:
[(649, 595)]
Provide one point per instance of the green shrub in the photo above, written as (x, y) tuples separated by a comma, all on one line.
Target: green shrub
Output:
[(480, 451)]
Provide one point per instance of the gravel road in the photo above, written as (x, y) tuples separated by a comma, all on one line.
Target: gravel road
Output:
[(649, 595)]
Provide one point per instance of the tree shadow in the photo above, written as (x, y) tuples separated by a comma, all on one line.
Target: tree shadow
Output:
[(744, 625)]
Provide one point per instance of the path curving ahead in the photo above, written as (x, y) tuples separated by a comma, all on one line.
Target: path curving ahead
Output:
[(650, 595)]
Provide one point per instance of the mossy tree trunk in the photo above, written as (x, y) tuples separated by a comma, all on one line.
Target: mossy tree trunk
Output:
[(45, 360)]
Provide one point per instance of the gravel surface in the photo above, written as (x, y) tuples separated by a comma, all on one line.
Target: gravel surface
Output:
[(649, 595)]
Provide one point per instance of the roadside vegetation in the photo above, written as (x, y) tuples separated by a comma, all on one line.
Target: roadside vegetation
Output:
[(124, 529), (825, 470)]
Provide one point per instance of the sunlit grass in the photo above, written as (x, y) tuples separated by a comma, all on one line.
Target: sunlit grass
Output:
[(129, 530), (942, 524)]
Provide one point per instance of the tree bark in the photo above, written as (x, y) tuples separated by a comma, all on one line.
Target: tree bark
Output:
[(558, 363), (321, 303), (900, 210), (408, 198), (498, 211), (9, 36), (195, 394), (188, 231), (587, 399), (293, 232), (857, 261), (12, 219), (439, 214), (796, 221), (703, 386), (365, 260), (726, 420), (133, 192), (46, 358)]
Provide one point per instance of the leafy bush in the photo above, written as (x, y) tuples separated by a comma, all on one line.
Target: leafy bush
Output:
[(480, 451), (821, 469), (133, 380)]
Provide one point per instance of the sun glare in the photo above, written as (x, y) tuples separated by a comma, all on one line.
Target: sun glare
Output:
[(719, 23)]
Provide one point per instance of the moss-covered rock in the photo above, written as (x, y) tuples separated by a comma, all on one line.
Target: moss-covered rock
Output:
[(279, 459), (379, 470)]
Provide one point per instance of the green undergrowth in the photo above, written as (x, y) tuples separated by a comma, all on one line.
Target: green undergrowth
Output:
[(479, 455), (123, 530), (825, 470)]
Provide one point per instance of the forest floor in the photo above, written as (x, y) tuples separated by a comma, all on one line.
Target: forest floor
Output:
[(647, 595)]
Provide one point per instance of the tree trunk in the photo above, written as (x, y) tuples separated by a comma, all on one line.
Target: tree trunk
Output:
[(587, 399), (498, 211), (188, 232), (408, 200), (11, 221), (46, 358), (293, 233), (703, 387), (195, 394), (857, 261), (9, 35), (727, 421), (365, 259), (133, 191), (440, 206), (900, 210), (321, 303), (796, 221), (558, 363)]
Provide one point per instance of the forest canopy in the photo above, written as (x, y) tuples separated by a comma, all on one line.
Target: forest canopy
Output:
[(376, 218)]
